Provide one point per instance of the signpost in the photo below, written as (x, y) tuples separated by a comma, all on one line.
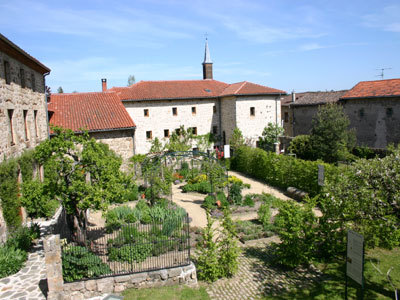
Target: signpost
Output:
[(355, 259)]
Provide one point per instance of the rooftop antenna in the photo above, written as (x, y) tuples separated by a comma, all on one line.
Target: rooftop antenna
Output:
[(382, 72)]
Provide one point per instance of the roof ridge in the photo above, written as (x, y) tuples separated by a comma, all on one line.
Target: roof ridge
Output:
[(243, 83), (378, 80)]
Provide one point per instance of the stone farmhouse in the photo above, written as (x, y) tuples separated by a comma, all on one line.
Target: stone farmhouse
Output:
[(373, 108), (298, 109), (158, 108), (23, 110)]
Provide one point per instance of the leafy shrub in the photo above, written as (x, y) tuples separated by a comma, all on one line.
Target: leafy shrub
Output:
[(119, 216), (282, 170), (9, 192), (221, 197), (130, 253), (301, 146), (235, 193), (21, 238), (37, 200), (198, 179), (249, 200), (209, 202), (251, 230), (229, 250), (11, 260), (78, 263), (207, 262), (201, 187), (296, 228)]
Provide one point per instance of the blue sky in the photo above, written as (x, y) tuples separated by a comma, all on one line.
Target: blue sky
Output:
[(286, 44)]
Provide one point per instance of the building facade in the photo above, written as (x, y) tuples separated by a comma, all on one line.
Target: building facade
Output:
[(23, 113)]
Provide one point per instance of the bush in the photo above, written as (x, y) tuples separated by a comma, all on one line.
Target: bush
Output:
[(235, 193), (251, 230), (296, 228), (249, 200), (37, 200), (130, 253), (9, 192), (78, 263), (201, 187), (11, 260), (21, 238), (281, 170), (209, 202), (301, 146)]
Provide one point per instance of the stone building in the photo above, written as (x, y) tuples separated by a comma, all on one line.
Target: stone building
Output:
[(101, 114), (158, 108), (373, 108), (23, 114), (298, 109)]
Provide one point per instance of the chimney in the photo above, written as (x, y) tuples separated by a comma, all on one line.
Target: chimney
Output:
[(104, 84), (293, 96)]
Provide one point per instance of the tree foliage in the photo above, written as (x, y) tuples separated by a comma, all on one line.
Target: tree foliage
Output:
[(237, 140), (131, 80), (330, 137), (81, 173), (60, 90), (270, 136)]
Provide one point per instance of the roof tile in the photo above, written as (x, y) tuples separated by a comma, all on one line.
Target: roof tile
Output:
[(376, 88), (91, 111)]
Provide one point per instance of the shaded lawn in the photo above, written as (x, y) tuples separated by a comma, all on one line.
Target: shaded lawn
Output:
[(331, 285), (166, 293)]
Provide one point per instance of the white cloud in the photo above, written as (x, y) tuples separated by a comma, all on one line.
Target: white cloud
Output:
[(387, 19)]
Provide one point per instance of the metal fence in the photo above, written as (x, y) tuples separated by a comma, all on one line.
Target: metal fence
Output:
[(96, 253)]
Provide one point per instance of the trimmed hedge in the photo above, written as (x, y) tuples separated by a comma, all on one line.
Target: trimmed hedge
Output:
[(281, 170)]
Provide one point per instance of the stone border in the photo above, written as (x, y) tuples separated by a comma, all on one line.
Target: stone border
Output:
[(115, 284)]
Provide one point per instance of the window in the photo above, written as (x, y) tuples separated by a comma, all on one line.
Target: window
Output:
[(26, 127), (178, 131), (214, 109), (174, 111), (193, 130), (389, 112), (193, 110), (252, 111), (286, 117), (33, 83), (215, 130), (166, 133), (22, 75), (10, 123), (149, 135), (7, 74), (361, 112), (146, 112), (35, 112)]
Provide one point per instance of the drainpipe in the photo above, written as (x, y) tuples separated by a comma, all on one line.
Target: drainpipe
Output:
[(45, 104)]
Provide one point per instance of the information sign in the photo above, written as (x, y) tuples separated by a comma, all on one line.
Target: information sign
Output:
[(355, 256), (227, 151)]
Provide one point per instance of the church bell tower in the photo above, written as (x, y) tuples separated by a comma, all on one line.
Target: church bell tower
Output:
[(207, 64)]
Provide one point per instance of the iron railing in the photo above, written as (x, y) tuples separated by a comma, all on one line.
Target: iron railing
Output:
[(130, 249)]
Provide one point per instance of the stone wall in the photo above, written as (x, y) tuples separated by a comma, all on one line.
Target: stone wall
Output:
[(302, 118), (91, 288), (228, 117), (267, 109), (376, 120), (29, 118), (160, 117), (120, 141), (60, 290)]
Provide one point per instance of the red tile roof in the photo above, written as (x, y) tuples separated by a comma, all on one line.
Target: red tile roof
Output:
[(189, 89), (376, 88), (248, 88), (91, 111)]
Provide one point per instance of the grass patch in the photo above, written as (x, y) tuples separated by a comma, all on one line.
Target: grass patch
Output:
[(333, 284), (168, 292)]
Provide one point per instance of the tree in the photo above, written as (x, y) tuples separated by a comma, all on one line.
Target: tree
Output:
[(60, 90), (81, 173), (331, 139), (237, 139), (270, 136), (131, 80)]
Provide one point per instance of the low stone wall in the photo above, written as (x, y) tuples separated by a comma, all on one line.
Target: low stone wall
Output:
[(60, 290), (91, 288)]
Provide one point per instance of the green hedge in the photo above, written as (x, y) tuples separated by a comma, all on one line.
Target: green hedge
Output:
[(281, 170)]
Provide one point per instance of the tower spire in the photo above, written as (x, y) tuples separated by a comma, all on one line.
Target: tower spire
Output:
[(207, 63)]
